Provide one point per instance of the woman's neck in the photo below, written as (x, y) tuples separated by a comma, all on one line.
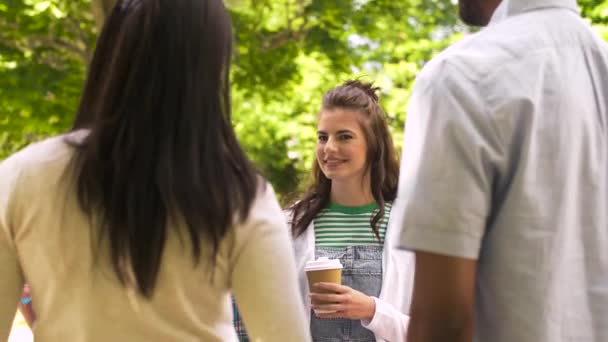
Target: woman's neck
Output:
[(351, 194)]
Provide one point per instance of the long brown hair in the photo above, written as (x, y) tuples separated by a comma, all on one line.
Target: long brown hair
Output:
[(381, 157), (160, 146)]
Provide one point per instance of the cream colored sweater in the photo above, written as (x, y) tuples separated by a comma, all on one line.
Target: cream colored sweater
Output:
[(46, 240)]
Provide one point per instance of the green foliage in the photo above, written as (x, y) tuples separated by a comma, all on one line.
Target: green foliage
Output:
[(287, 54), (43, 50), (595, 10)]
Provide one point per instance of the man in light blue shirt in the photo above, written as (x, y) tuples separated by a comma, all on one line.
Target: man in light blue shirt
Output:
[(504, 180)]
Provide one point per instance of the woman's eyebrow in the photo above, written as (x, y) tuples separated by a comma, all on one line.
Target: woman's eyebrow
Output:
[(342, 131)]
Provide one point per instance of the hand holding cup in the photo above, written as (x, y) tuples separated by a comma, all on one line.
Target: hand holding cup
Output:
[(323, 270), (330, 300)]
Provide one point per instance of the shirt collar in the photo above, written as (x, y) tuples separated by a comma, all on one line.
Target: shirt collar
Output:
[(508, 8)]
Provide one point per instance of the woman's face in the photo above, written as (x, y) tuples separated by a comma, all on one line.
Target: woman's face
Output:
[(341, 145)]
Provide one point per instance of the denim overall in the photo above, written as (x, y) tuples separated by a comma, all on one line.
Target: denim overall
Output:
[(363, 272)]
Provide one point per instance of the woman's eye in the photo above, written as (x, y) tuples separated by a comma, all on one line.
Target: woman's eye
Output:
[(345, 137), (322, 138)]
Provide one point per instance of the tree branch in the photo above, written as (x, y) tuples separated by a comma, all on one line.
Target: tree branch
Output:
[(52, 42), (282, 38), (83, 41)]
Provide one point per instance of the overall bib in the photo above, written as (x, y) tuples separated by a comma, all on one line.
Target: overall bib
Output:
[(363, 272)]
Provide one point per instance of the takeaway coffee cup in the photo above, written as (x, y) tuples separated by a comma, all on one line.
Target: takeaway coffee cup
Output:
[(323, 270)]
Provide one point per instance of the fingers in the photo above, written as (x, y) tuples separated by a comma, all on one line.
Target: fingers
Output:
[(328, 308), (330, 287), (337, 314), (330, 297), (331, 300)]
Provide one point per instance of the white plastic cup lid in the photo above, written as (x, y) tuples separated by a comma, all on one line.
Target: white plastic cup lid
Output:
[(323, 263)]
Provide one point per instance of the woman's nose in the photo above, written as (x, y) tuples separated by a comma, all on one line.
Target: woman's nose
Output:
[(330, 145)]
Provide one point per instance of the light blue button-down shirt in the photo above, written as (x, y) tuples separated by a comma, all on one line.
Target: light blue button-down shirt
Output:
[(506, 161)]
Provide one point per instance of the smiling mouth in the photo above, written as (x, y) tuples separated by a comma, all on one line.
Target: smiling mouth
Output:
[(334, 162)]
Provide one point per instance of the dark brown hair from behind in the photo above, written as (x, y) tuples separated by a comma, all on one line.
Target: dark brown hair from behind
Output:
[(160, 147), (382, 161)]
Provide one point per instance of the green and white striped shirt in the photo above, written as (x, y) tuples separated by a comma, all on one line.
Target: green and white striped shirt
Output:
[(338, 226)]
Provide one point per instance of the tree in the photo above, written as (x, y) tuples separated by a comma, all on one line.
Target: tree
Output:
[(285, 61), (287, 53), (44, 47)]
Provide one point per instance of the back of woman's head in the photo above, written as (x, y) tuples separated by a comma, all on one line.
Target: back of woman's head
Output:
[(382, 164), (160, 147)]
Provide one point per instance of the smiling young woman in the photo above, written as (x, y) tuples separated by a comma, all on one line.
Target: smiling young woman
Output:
[(342, 155), (346, 214)]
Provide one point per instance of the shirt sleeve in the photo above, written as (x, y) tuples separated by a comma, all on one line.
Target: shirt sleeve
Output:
[(11, 277), (264, 279), (388, 323), (448, 164)]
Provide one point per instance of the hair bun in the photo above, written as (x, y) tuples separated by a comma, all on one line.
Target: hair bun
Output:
[(367, 87)]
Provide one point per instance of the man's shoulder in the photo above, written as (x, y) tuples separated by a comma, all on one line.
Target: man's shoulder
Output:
[(471, 58), (503, 44)]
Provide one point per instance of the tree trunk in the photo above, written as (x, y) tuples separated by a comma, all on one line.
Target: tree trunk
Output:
[(101, 9)]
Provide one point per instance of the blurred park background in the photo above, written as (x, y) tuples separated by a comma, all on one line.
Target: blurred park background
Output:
[(287, 54)]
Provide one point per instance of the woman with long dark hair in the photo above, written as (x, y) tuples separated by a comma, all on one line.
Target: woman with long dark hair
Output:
[(347, 214), (137, 224)]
